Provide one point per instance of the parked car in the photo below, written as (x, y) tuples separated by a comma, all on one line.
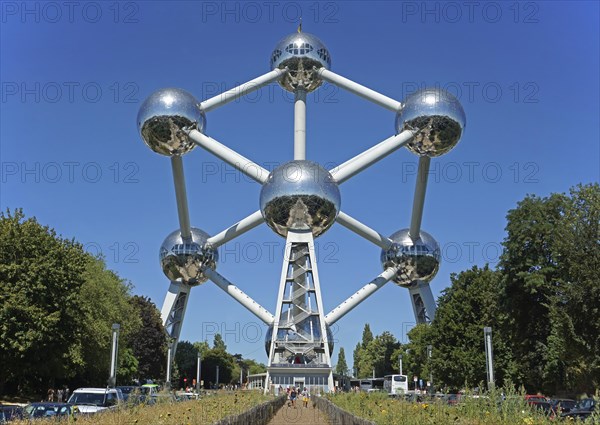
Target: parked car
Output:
[(563, 405), (453, 399), (127, 390), (150, 389), (47, 410), (161, 398), (10, 412), (535, 397), (582, 410), (544, 407), (94, 400)]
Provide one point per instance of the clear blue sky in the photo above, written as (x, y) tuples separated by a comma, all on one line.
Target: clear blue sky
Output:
[(73, 78)]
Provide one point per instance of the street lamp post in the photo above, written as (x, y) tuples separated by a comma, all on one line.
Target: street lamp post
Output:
[(400, 363), (489, 356), (198, 368), (217, 377), (112, 380), (169, 360), (429, 350)]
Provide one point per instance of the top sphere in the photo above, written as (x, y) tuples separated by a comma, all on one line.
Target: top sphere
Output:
[(301, 53), (300, 195), (439, 117), (415, 260), (164, 119)]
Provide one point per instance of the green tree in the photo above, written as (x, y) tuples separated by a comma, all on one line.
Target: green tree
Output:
[(218, 343), (186, 358), (149, 342), (341, 368), (356, 359), (367, 335), (551, 266), (40, 278), (472, 302), (103, 300), (415, 359)]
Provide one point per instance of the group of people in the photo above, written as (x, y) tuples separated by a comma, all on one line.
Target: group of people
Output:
[(295, 393), (60, 395)]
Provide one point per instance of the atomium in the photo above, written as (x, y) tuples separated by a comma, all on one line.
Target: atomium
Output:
[(299, 200), (302, 54), (416, 260), (166, 117), (183, 260), (300, 195), (438, 116)]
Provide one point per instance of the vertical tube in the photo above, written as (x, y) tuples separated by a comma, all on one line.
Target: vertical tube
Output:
[(400, 358), (217, 377), (300, 124), (419, 198), (181, 196)]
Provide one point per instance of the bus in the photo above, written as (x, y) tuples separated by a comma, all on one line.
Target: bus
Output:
[(395, 384), (367, 384)]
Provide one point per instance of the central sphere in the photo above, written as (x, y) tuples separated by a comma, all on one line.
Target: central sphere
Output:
[(302, 196), (302, 54)]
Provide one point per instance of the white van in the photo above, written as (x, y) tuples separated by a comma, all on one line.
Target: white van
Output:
[(94, 400)]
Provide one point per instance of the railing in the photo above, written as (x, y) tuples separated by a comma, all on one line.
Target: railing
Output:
[(337, 416), (258, 415)]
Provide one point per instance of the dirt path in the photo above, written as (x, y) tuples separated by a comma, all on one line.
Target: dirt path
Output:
[(300, 415)]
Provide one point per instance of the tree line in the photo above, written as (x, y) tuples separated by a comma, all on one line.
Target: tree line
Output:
[(542, 301), (233, 368), (57, 307)]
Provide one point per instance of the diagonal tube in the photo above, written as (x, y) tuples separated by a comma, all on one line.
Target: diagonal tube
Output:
[(241, 90), (236, 160), (241, 297), (360, 90), (360, 295), (364, 231), (236, 230), (369, 157)]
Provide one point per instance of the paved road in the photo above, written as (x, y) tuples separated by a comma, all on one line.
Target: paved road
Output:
[(300, 415)]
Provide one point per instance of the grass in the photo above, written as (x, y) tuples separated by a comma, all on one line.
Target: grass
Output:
[(207, 410), (486, 410)]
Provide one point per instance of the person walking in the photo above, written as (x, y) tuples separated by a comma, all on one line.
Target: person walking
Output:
[(305, 397), (293, 396)]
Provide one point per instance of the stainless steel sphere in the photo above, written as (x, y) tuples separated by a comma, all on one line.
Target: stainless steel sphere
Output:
[(164, 119), (439, 117), (418, 260), (300, 195), (305, 327), (302, 54), (183, 260)]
